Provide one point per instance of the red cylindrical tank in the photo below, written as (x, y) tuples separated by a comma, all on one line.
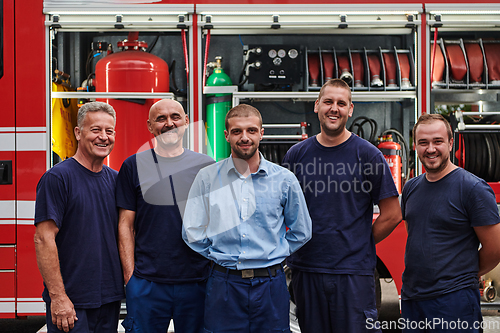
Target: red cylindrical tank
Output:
[(392, 154), (132, 70)]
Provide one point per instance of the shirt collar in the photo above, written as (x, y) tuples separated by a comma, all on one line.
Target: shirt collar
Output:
[(263, 165)]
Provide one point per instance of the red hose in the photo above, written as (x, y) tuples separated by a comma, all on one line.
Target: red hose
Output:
[(390, 69), (358, 70), (374, 66), (438, 65), (207, 46), (328, 65), (456, 59), (184, 45), (476, 65), (343, 64), (133, 36), (344, 68), (314, 68), (492, 52), (404, 65), (434, 52)]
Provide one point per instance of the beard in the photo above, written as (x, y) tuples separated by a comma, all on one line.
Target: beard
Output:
[(333, 130), (436, 168), (244, 155), (169, 137)]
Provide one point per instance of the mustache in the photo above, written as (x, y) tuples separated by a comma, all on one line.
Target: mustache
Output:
[(244, 143), (175, 130)]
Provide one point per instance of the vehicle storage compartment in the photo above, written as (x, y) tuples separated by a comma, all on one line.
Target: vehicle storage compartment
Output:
[(130, 63), (7, 294), (7, 232), (280, 70), (465, 88), (7, 257)]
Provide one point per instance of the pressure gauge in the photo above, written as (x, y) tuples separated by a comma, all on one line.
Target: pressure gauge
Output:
[(293, 53), (272, 53), (281, 53)]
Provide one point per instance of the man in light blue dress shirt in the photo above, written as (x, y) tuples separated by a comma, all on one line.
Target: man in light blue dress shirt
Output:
[(246, 215)]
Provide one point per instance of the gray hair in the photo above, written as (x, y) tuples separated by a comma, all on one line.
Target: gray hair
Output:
[(94, 107)]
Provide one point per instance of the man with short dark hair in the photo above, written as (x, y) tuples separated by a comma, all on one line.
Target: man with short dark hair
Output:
[(342, 176), (164, 278), (246, 215), (449, 213), (76, 229)]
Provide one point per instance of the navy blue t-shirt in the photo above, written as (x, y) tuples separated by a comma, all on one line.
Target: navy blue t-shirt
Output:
[(157, 188), (340, 185), (442, 247), (82, 204)]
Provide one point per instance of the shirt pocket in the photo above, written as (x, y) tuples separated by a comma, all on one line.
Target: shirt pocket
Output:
[(268, 211)]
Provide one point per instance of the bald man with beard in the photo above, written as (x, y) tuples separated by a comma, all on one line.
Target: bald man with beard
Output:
[(164, 278)]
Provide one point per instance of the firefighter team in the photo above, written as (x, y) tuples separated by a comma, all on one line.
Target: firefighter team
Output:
[(204, 243)]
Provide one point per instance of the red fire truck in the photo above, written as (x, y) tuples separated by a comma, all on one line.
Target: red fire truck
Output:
[(403, 58)]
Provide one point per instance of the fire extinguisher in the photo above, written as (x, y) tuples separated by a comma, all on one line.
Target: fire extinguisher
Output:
[(392, 154), (217, 107), (131, 70)]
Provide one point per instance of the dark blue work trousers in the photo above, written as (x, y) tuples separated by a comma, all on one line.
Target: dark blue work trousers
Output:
[(151, 306), (243, 305), (98, 320), (458, 311), (330, 303)]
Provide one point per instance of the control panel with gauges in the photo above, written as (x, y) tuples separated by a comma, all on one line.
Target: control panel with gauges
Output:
[(273, 64)]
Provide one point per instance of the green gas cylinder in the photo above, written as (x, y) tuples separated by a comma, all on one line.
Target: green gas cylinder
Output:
[(217, 107)]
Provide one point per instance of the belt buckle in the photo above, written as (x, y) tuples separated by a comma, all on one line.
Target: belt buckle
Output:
[(247, 274)]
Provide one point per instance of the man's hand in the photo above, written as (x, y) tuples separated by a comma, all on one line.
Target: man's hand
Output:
[(489, 254), (62, 312), (62, 309), (126, 277), (126, 242), (389, 218)]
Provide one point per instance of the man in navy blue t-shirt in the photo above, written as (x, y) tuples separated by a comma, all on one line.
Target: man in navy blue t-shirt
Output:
[(342, 177), (164, 278), (76, 231), (449, 212)]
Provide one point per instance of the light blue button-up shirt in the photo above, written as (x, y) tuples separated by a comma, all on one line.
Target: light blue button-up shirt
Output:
[(241, 223)]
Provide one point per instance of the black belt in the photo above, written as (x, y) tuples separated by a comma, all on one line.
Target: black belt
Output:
[(250, 273)]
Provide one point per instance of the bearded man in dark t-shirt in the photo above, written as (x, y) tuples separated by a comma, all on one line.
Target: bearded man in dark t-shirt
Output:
[(449, 212), (164, 278)]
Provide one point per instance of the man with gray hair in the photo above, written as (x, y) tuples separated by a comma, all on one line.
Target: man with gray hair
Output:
[(76, 231)]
